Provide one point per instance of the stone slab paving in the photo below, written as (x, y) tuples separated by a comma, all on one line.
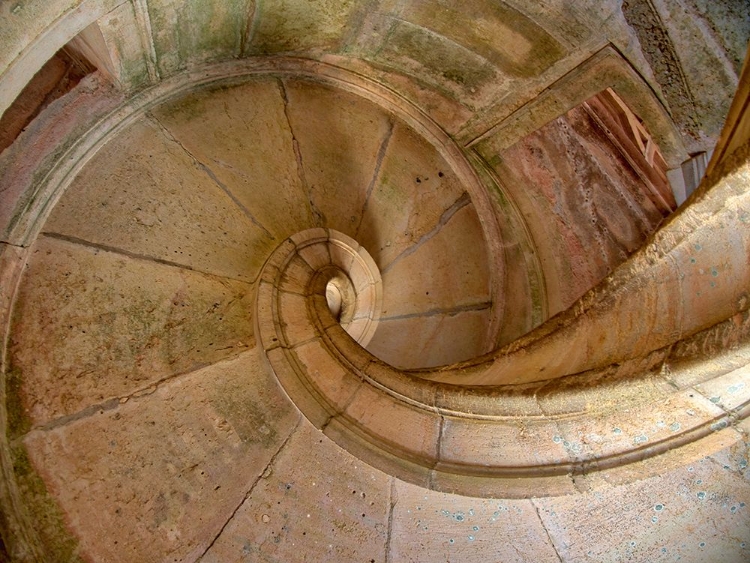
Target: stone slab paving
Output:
[(91, 326), (144, 194), (314, 503), (697, 513), (158, 476)]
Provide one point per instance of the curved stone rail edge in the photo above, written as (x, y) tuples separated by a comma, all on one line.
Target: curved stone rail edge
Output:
[(486, 441)]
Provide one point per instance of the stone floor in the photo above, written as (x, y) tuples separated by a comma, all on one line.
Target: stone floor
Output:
[(217, 465)]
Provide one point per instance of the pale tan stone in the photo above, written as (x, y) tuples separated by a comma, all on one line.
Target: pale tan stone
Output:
[(173, 212), (339, 137), (423, 341), (108, 325), (292, 25), (316, 255), (315, 513), (248, 147), (414, 189), (294, 317), (335, 383), (410, 431), (426, 278), (256, 143), (137, 480), (445, 527), (296, 276), (655, 519), (511, 445)]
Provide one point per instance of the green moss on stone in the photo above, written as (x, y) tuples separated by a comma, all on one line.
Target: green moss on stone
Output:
[(18, 421), (59, 545)]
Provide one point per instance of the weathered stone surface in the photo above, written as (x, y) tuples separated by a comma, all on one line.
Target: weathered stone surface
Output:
[(415, 189), (144, 194), (430, 340), (38, 148), (427, 275), (203, 30), (586, 197), (341, 141), (296, 25), (248, 148), (105, 325), (513, 42), (695, 513), (302, 509), (490, 73), (129, 56), (157, 477), (697, 87), (429, 526)]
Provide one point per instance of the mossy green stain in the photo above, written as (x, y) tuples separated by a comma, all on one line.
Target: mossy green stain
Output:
[(58, 543), (19, 422), (440, 57)]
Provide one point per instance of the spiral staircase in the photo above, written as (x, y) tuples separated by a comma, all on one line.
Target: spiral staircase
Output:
[(376, 281)]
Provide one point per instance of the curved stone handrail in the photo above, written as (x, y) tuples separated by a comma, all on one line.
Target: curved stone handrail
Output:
[(640, 400)]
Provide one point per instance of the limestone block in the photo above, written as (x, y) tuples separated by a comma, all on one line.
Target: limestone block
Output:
[(302, 508), (659, 425), (501, 444), (341, 140), (125, 46), (409, 431), (316, 255), (296, 25), (36, 151), (335, 384), (430, 340), (247, 147), (295, 319), (296, 276), (204, 30), (648, 520), (414, 190), (429, 525), (448, 270), (158, 476), (108, 325), (144, 194)]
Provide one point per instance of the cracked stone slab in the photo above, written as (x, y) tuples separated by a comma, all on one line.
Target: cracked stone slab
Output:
[(648, 520), (430, 526), (342, 139), (416, 189), (430, 277), (157, 477), (144, 194), (90, 326), (248, 149), (314, 503), (426, 341)]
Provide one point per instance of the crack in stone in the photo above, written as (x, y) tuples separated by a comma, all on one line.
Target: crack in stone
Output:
[(210, 173), (317, 215), (113, 403), (143, 19), (438, 448), (546, 531), (136, 256), (392, 506), (439, 312), (251, 24), (264, 474), (376, 173), (447, 215)]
